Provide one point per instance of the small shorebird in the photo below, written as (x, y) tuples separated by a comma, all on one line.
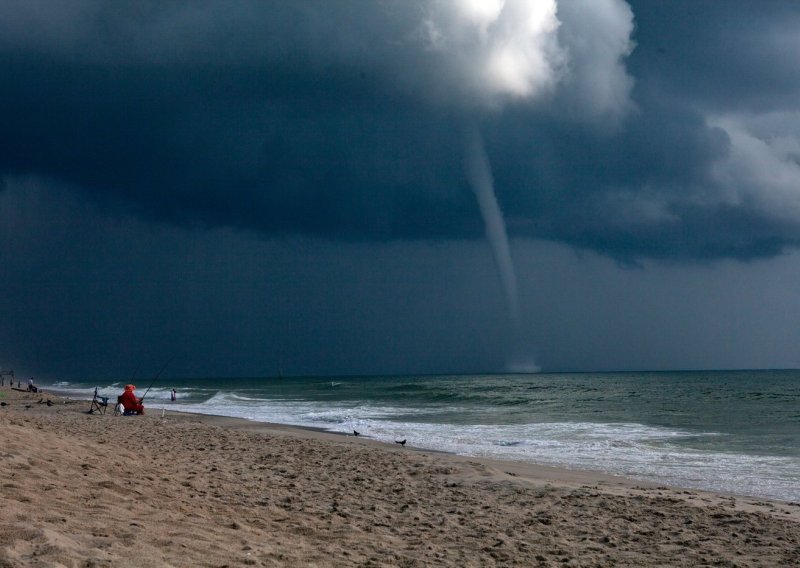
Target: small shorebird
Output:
[(401, 442), (355, 433)]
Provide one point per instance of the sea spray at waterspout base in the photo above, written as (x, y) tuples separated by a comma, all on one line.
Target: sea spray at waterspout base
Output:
[(479, 176)]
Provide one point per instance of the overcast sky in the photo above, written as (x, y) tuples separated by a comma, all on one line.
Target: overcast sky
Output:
[(248, 187)]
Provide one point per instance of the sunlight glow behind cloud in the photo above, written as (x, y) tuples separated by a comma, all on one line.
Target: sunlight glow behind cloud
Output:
[(505, 48)]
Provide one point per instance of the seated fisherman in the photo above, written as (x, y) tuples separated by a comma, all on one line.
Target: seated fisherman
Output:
[(130, 402)]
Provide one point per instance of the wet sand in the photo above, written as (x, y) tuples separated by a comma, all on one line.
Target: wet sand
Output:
[(84, 490)]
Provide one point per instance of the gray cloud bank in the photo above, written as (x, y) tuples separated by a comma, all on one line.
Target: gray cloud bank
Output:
[(92, 294), (663, 130)]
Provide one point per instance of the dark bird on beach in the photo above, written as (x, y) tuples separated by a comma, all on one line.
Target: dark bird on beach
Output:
[(28, 406), (3, 404), (49, 402), (356, 433), (401, 442)]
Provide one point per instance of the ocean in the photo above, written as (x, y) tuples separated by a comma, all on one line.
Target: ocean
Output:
[(729, 431)]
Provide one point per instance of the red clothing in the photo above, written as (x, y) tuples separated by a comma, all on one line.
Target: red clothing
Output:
[(131, 403)]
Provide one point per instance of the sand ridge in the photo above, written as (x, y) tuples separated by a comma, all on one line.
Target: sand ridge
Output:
[(188, 490)]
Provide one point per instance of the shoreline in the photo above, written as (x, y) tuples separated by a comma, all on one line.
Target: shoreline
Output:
[(524, 469), (528, 469), (201, 490), (537, 470), (520, 467)]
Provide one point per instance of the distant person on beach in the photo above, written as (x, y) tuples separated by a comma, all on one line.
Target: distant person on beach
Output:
[(174, 395), (31, 386), (130, 402)]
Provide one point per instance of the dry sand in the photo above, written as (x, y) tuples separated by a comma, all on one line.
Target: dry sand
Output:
[(186, 490)]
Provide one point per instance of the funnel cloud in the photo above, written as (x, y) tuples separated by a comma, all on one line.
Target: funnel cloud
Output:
[(480, 178)]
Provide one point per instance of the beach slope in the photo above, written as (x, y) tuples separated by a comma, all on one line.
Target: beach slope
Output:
[(187, 490)]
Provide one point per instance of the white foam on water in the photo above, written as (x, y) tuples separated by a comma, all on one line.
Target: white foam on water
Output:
[(631, 450), (649, 453), (638, 451)]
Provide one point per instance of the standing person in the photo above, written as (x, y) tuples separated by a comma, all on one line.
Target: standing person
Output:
[(173, 395), (130, 402)]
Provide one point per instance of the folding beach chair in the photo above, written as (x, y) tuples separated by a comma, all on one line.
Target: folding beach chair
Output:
[(99, 403)]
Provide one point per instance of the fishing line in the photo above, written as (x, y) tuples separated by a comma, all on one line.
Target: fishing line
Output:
[(155, 379)]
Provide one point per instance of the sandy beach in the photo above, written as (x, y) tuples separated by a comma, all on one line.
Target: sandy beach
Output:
[(85, 490)]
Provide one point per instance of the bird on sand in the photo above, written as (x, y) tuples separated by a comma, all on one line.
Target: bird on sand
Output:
[(401, 442), (355, 433)]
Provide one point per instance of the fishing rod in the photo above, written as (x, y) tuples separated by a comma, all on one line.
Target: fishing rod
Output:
[(154, 380)]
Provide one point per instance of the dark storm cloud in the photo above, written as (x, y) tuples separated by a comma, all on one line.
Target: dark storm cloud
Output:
[(720, 54), (344, 120)]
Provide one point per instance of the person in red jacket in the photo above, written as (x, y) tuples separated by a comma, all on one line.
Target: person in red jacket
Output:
[(130, 402)]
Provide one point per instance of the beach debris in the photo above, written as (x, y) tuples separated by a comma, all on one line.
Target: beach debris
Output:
[(401, 442)]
